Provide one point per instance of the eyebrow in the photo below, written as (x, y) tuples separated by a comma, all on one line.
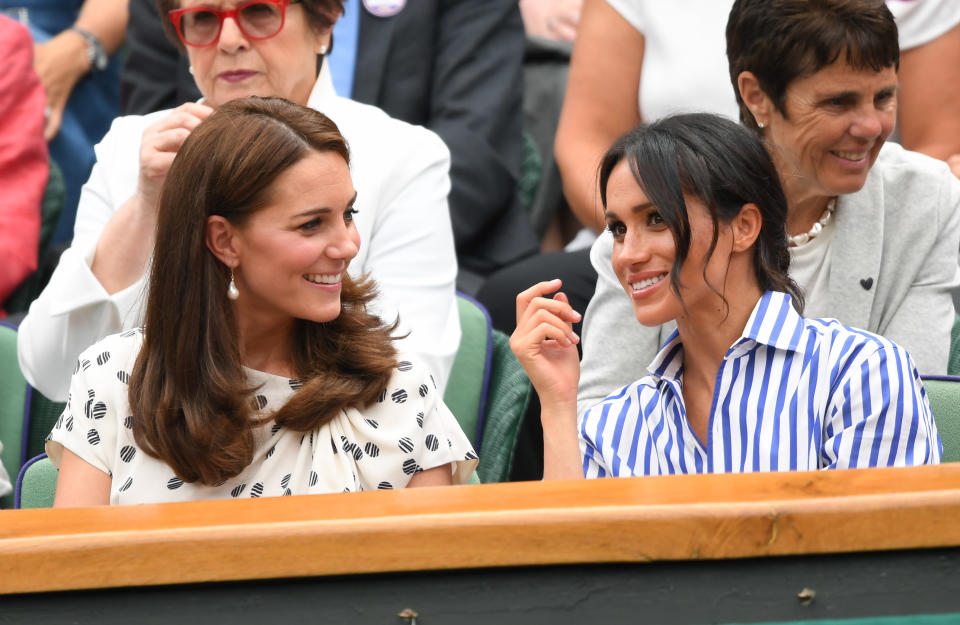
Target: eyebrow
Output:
[(639, 208), (324, 210)]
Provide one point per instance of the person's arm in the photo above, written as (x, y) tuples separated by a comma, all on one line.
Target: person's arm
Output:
[(924, 317), (929, 113), (437, 476), (63, 60), (546, 346), (97, 287), (80, 484), (600, 103), (23, 158), (616, 348), (877, 414)]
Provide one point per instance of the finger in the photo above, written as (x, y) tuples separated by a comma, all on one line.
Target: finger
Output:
[(564, 332), (52, 125), (537, 290), (564, 32), (569, 314), (166, 141)]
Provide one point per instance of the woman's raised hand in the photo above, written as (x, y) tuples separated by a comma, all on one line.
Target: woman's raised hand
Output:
[(161, 141), (545, 344)]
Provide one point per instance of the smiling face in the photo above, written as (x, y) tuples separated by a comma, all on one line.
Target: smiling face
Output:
[(284, 65), (835, 123), (293, 253), (644, 251)]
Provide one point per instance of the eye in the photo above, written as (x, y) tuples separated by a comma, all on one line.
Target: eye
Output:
[(654, 219), (310, 226), (349, 213), (617, 228)]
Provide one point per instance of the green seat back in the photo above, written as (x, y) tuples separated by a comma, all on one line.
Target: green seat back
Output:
[(953, 365), (37, 484), (13, 397), (944, 395), (507, 400), (467, 384), (43, 414)]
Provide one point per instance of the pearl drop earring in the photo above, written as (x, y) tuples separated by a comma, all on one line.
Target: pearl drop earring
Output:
[(323, 50), (232, 292), (760, 125)]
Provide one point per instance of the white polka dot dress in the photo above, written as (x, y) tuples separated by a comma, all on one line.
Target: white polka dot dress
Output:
[(381, 447)]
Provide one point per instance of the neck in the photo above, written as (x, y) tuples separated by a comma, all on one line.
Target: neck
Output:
[(265, 344), (804, 205), (707, 333)]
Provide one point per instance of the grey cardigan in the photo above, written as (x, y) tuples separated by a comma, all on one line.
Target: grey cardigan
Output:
[(894, 269)]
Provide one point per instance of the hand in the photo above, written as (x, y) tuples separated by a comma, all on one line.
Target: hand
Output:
[(159, 146), (545, 344), (60, 63), (954, 163), (551, 19)]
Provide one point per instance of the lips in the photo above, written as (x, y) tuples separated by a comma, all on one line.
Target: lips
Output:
[(323, 278), (850, 156), (236, 75)]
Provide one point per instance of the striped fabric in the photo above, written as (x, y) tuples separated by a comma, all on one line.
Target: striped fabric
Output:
[(792, 394)]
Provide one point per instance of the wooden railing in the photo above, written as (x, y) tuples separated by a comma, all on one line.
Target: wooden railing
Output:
[(612, 520)]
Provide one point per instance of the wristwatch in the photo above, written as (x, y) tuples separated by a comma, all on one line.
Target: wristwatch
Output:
[(95, 52)]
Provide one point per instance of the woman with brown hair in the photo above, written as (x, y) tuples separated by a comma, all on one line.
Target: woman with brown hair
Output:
[(259, 371)]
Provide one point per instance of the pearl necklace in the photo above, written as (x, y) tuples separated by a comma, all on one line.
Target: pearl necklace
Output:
[(818, 226)]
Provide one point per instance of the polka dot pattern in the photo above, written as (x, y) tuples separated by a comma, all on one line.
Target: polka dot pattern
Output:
[(379, 447)]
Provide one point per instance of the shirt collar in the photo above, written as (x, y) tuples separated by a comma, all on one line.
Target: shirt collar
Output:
[(773, 322), (323, 93)]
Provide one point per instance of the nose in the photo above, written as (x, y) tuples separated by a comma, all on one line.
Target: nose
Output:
[(346, 243), (231, 37), (868, 123), (633, 250)]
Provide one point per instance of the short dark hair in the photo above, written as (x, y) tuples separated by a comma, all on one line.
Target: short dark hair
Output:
[(318, 13), (191, 403), (782, 40), (722, 164)]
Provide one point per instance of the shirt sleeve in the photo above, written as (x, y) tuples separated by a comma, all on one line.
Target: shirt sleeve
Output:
[(878, 414), (89, 422), (594, 464)]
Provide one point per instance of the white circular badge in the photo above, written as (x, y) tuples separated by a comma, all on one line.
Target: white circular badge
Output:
[(384, 8)]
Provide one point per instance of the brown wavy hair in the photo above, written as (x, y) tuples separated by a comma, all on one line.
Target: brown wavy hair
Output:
[(191, 403)]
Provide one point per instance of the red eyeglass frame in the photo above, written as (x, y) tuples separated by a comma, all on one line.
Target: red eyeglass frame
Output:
[(176, 15)]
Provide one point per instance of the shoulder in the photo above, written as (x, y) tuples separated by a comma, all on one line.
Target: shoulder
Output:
[(411, 380), (374, 135), (120, 350), (848, 348), (897, 167)]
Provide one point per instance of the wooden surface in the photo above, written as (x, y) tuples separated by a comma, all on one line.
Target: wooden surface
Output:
[(613, 520)]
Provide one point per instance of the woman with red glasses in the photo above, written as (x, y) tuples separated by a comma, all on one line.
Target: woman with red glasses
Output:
[(237, 49)]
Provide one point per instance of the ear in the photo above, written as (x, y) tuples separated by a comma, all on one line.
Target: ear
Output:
[(222, 240), (323, 39), (746, 227), (754, 97)]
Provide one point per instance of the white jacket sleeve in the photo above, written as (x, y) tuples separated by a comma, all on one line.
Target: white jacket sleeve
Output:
[(74, 311), (412, 258)]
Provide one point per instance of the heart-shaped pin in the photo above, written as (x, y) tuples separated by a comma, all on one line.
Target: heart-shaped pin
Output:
[(866, 283)]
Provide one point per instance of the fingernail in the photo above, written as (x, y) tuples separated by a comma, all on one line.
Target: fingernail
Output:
[(574, 338)]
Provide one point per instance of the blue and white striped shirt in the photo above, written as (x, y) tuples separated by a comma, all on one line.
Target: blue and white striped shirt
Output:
[(792, 394)]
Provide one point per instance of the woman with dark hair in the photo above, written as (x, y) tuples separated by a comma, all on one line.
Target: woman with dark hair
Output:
[(260, 370), (238, 48), (744, 383), (874, 229)]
